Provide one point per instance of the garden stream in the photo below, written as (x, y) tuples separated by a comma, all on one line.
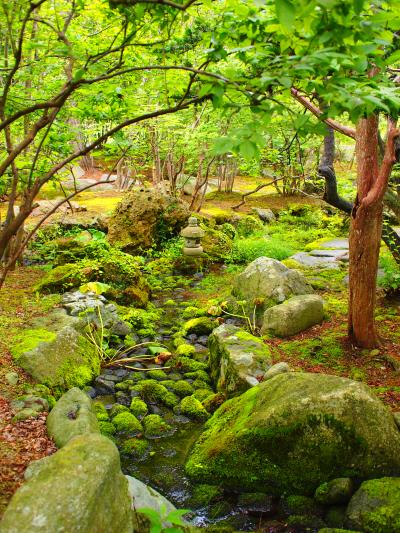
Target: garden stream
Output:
[(161, 465)]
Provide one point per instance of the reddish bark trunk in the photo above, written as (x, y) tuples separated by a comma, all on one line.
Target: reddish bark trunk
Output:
[(366, 230)]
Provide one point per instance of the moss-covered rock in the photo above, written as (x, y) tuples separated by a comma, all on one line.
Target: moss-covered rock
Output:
[(105, 264), (375, 507), (57, 353), (157, 374), (155, 426), (101, 412), (145, 218), (202, 325), (237, 359), (203, 495), (128, 423), (79, 488), (182, 388), (216, 244), (248, 225), (118, 408), (152, 391), (334, 492), (138, 407), (193, 408), (136, 447), (185, 349), (107, 428), (72, 415), (294, 432)]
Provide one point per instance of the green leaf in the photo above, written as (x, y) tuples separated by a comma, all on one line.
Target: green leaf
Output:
[(286, 13), (79, 74), (393, 58), (175, 516), (247, 149), (358, 6)]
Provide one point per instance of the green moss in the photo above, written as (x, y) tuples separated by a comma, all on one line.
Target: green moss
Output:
[(199, 326), (211, 402), (248, 225), (200, 384), (107, 428), (203, 394), (118, 408), (152, 391), (136, 447), (182, 388), (198, 374), (188, 365), (193, 408), (300, 505), (101, 411), (157, 374), (138, 407), (123, 385), (29, 339), (190, 312), (186, 350), (127, 422), (155, 426), (203, 495)]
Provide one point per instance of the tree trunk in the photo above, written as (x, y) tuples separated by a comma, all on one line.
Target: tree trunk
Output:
[(365, 238)]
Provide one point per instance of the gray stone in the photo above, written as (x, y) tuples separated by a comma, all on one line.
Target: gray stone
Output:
[(72, 415), (375, 507), (266, 215), (335, 492), (270, 281), (56, 352), (293, 316), (339, 244), (278, 368), (338, 255), (307, 260), (294, 432), (145, 497), (12, 378), (80, 488), (237, 359)]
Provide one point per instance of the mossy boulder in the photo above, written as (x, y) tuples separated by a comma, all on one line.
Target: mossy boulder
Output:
[(238, 360), (152, 391), (145, 218), (334, 492), (79, 488), (72, 415), (182, 388), (267, 282), (104, 264), (294, 432), (107, 428), (185, 349), (375, 507), (216, 244), (136, 447), (56, 352), (293, 316)]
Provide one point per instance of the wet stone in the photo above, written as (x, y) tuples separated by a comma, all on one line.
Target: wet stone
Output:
[(121, 372), (154, 410), (105, 384), (203, 340), (134, 394), (181, 419), (192, 337), (91, 392)]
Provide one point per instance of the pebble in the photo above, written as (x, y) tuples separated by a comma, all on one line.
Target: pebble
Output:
[(105, 384)]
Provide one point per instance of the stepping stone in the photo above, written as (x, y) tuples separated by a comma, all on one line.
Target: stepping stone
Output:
[(339, 244), (305, 259), (338, 255)]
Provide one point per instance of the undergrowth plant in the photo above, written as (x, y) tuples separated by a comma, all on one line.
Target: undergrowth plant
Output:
[(158, 520)]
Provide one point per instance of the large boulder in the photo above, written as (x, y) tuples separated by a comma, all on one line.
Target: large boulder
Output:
[(269, 282), (238, 360), (79, 488), (56, 352), (375, 507), (294, 432), (145, 218), (294, 315), (72, 415)]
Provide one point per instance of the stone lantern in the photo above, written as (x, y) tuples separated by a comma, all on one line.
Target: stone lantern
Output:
[(192, 235)]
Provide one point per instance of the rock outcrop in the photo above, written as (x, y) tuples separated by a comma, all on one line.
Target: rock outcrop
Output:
[(79, 488), (238, 360), (294, 315), (294, 432), (269, 282), (72, 415), (144, 218)]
